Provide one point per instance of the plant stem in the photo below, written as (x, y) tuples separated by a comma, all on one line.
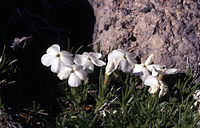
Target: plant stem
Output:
[(73, 91), (105, 81), (160, 76)]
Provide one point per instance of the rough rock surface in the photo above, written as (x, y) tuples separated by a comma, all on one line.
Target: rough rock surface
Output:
[(168, 28)]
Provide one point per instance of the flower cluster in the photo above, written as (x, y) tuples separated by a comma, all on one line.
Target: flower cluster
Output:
[(74, 69), (150, 74)]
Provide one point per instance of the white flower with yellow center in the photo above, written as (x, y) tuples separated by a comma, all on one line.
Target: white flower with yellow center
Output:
[(144, 68), (88, 60), (120, 58), (56, 58), (74, 73), (156, 85)]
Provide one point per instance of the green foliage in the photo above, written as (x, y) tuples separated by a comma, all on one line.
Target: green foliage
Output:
[(7, 78), (124, 102), (7, 73), (7, 70), (119, 100)]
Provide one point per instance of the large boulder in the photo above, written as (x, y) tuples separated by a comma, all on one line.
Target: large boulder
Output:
[(170, 29)]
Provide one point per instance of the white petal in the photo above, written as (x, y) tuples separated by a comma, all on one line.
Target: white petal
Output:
[(81, 74), (170, 71), (163, 91), (80, 59), (145, 74), (122, 51), (131, 58), (149, 60), (86, 54), (66, 60), (125, 66), (97, 62), (138, 68), (115, 54), (55, 65), (84, 61), (64, 72), (90, 67), (95, 55), (47, 59), (110, 67), (77, 67), (154, 72), (66, 53), (74, 81), (196, 95), (195, 103), (151, 80), (153, 89), (54, 49), (156, 66)]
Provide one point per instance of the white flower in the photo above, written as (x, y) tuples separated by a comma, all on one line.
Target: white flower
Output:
[(74, 73), (155, 69), (161, 70), (120, 58), (144, 68), (88, 60), (56, 58), (155, 85)]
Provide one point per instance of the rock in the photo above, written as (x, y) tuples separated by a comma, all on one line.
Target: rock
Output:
[(169, 29)]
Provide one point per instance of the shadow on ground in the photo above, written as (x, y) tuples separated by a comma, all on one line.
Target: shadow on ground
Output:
[(46, 22)]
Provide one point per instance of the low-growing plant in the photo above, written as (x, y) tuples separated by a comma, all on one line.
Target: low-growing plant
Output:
[(7, 70), (118, 97)]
